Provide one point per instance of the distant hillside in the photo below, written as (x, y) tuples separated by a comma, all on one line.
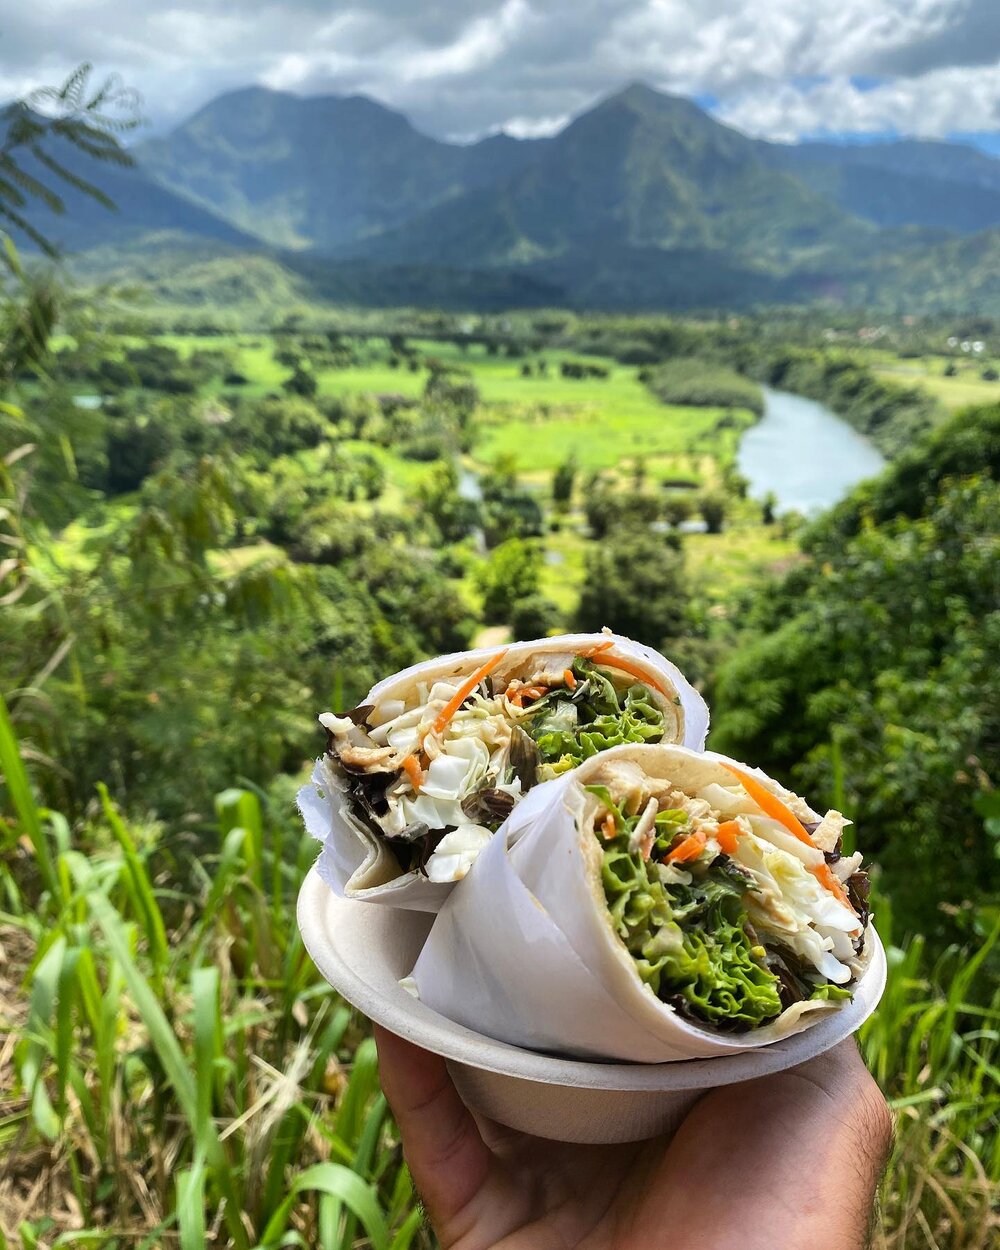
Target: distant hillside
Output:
[(173, 270), (954, 275), (641, 170), (265, 198), (943, 185), (176, 269), (141, 204), (318, 171)]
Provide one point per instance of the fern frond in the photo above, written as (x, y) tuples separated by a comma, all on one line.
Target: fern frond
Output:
[(74, 180), (28, 184), (25, 226)]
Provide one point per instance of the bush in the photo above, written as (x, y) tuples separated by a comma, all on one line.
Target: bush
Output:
[(677, 508), (533, 617), (634, 582), (276, 427), (607, 509), (637, 353), (511, 574), (713, 509), (563, 479), (301, 383), (689, 380), (580, 369)]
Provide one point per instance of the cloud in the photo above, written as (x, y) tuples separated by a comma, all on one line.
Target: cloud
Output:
[(967, 34), (933, 105), (464, 67)]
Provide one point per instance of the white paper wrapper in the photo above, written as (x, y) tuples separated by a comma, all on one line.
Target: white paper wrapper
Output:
[(355, 864), (524, 950)]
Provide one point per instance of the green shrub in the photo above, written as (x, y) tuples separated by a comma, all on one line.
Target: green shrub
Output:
[(690, 380)]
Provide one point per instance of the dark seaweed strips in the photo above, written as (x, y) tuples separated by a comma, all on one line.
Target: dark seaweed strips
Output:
[(489, 807)]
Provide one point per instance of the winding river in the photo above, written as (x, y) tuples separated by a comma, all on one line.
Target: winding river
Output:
[(805, 454)]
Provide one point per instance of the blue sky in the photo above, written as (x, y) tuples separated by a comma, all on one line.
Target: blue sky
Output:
[(781, 69)]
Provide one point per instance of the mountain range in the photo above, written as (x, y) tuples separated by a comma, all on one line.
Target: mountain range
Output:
[(643, 201)]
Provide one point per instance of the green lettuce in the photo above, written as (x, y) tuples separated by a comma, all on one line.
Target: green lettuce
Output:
[(830, 992), (570, 726), (690, 940), (689, 934)]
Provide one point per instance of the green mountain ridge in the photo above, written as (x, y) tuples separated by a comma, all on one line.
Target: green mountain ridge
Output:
[(316, 171), (641, 170), (909, 182), (643, 201)]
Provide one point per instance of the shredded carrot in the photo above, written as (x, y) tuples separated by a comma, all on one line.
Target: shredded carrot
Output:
[(526, 692), (726, 836), (411, 766), (464, 690), (569, 678), (771, 805), (690, 848), (609, 826), (598, 648), (824, 874), (597, 654)]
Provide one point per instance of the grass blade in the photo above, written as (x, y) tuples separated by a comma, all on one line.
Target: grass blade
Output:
[(19, 790), (142, 889), (240, 809), (165, 1043), (341, 1183), (191, 1207)]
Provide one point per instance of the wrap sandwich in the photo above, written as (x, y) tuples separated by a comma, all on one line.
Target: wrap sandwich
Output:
[(656, 904), (416, 780)]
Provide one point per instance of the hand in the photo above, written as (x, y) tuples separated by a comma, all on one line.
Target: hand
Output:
[(786, 1162)]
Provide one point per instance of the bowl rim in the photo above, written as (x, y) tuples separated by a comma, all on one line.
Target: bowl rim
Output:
[(320, 913)]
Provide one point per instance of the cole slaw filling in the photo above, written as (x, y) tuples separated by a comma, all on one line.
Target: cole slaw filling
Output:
[(436, 775), (728, 915)]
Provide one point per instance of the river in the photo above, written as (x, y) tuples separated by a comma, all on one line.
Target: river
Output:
[(807, 455)]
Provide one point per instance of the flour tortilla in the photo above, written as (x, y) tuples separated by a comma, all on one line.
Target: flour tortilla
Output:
[(525, 951), (355, 863)]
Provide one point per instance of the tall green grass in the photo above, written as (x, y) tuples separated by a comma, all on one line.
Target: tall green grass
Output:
[(180, 1076)]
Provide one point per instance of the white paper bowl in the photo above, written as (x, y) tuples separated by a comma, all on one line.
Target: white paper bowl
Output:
[(364, 950)]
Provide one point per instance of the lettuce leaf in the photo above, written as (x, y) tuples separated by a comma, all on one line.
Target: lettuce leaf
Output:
[(688, 931), (831, 993), (601, 718), (690, 942)]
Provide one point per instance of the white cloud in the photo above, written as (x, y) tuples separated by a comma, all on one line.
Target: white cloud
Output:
[(778, 67), (534, 127), (932, 105)]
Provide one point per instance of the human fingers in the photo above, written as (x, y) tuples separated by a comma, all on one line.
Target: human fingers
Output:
[(446, 1155), (790, 1160)]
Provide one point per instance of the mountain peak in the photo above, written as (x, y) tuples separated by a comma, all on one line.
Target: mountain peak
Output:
[(643, 98)]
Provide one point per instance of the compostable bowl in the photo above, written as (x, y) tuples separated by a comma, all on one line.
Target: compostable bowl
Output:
[(364, 950)]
